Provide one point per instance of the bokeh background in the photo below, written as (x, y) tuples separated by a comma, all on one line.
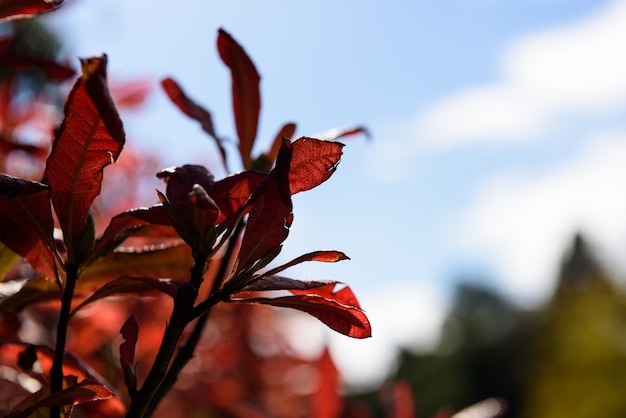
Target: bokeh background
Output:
[(486, 212)]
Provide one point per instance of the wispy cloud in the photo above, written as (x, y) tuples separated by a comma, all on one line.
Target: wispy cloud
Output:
[(572, 70)]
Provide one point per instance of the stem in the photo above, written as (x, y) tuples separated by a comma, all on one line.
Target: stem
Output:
[(56, 371), (185, 352), (183, 304)]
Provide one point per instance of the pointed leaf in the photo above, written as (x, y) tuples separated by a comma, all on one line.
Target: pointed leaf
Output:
[(193, 110), (323, 256), (347, 320), (127, 284), (90, 138), (16, 9), (270, 216), (245, 90), (284, 283), (313, 162)]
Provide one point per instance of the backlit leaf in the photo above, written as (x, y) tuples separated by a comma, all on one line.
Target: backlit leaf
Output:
[(313, 162), (193, 110), (135, 285), (347, 320), (153, 261), (271, 214), (245, 91), (8, 258), (16, 9), (90, 138), (323, 256), (230, 193)]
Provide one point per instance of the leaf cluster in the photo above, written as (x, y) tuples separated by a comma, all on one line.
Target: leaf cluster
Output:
[(238, 223)]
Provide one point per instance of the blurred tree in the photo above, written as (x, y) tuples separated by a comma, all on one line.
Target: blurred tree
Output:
[(578, 366)]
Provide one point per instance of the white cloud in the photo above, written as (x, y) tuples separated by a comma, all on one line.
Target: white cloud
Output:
[(523, 225), (577, 68)]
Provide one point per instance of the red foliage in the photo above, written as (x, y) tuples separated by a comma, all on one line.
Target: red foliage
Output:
[(96, 286)]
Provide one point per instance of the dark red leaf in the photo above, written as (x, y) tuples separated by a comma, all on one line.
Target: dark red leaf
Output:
[(90, 138), (323, 256), (153, 261), (76, 393), (16, 9), (180, 185), (13, 186), (313, 162), (347, 320), (270, 216), (245, 90), (26, 223), (230, 193), (130, 333), (284, 283), (127, 284), (337, 133), (193, 110)]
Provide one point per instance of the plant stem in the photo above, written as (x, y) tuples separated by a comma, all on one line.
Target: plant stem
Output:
[(185, 352), (183, 305), (56, 371)]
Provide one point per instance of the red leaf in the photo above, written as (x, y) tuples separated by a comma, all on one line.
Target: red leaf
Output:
[(153, 261), (193, 110), (245, 90), (231, 192), (16, 9), (284, 283), (127, 284), (90, 138), (313, 162), (86, 391), (26, 224), (344, 295), (323, 256), (130, 333), (347, 320), (270, 216), (180, 183)]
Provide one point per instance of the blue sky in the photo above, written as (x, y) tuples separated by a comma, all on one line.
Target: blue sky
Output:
[(498, 131)]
